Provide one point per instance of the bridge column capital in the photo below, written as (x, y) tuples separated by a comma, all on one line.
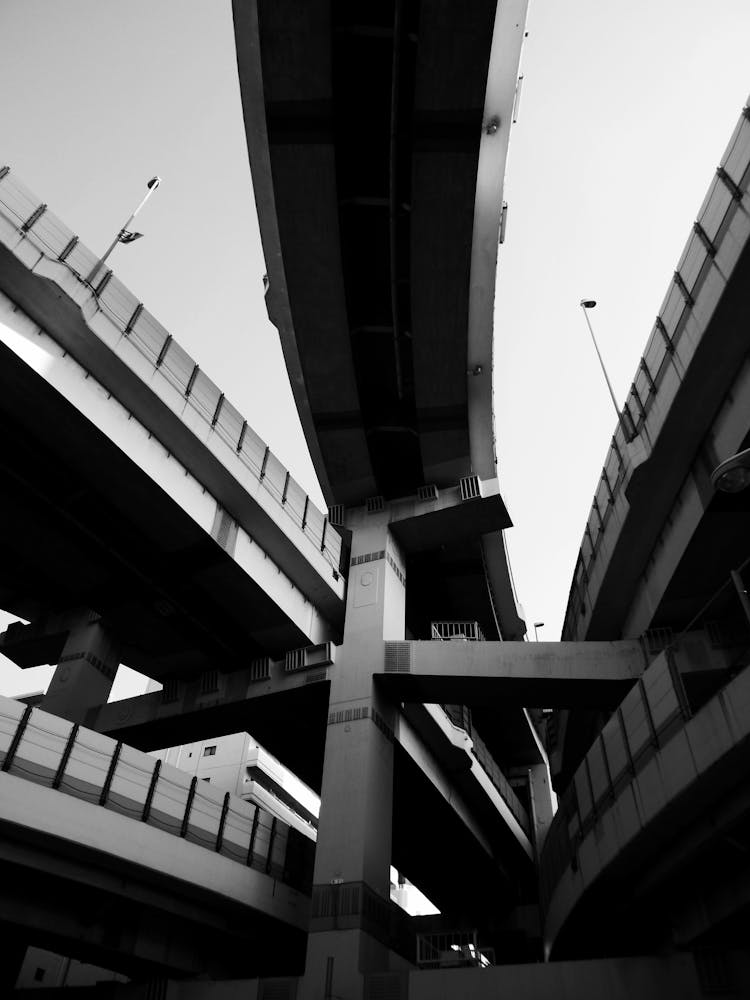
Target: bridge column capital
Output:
[(85, 670)]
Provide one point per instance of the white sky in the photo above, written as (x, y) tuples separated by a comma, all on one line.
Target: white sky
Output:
[(625, 113)]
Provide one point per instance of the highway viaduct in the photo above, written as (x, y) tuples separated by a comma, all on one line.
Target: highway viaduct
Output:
[(222, 581)]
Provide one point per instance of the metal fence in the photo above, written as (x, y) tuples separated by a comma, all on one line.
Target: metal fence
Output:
[(457, 630), (55, 241), (452, 949)]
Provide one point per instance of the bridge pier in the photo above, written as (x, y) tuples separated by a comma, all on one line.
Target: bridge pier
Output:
[(85, 670), (352, 915)]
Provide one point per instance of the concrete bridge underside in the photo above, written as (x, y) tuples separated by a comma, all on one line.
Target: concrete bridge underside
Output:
[(83, 527)]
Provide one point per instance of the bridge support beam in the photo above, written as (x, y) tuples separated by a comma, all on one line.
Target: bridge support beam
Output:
[(352, 913), (85, 670)]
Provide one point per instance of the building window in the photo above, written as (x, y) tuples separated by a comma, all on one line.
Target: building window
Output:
[(209, 751)]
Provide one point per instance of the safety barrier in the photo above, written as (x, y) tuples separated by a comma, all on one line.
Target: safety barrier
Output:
[(58, 754), (647, 718)]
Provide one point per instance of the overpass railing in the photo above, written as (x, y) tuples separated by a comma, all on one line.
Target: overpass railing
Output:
[(652, 712), (460, 716), (722, 202), (58, 243), (58, 754)]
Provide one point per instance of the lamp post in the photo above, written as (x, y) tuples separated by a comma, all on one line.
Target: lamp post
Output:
[(124, 235), (587, 304), (537, 625)]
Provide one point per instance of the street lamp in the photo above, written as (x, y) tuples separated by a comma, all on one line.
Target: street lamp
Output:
[(733, 475), (537, 625), (587, 304), (124, 235)]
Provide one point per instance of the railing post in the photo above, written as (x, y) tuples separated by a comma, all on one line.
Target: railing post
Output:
[(57, 780), (17, 737), (647, 711), (241, 438), (110, 775), (151, 789), (188, 807), (252, 837), (271, 839), (222, 822)]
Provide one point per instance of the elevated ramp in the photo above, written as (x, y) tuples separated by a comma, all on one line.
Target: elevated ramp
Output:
[(100, 819)]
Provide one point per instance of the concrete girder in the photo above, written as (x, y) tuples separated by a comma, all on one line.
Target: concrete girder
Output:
[(260, 699), (443, 753), (538, 674), (171, 518), (421, 525)]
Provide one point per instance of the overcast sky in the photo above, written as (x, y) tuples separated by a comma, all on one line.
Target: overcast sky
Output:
[(625, 112)]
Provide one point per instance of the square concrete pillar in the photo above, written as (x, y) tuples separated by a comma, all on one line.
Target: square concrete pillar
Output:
[(351, 893)]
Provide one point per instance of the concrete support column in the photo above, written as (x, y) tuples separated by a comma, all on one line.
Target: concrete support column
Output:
[(351, 894), (85, 671)]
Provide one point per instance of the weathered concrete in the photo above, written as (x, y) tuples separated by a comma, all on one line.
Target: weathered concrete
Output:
[(86, 669), (537, 673)]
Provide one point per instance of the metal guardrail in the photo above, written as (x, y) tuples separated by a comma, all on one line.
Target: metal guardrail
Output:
[(56, 242), (452, 949), (53, 752), (722, 201), (457, 630)]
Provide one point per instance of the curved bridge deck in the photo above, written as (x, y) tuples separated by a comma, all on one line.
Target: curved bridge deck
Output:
[(99, 817)]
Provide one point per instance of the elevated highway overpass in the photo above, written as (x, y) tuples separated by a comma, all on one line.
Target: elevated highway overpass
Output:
[(378, 137), (131, 484), (137, 557), (660, 542), (109, 855), (654, 815)]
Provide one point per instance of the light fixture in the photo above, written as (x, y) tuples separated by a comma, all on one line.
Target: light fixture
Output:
[(733, 475), (124, 235), (587, 304)]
